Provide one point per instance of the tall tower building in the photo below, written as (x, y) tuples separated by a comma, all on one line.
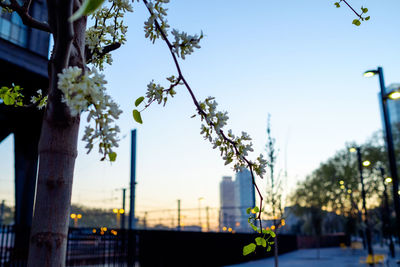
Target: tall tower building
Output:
[(394, 119), (245, 198), (227, 203)]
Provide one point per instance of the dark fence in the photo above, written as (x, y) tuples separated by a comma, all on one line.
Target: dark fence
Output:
[(333, 240), (6, 243), (151, 248), (170, 248)]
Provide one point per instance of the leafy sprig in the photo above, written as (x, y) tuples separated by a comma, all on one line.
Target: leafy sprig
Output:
[(262, 240), (12, 96), (361, 15)]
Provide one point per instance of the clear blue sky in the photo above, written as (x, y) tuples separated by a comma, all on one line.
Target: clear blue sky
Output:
[(300, 61)]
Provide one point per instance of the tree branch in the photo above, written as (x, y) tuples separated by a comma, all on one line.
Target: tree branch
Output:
[(107, 49), (355, 12), (202, 112)]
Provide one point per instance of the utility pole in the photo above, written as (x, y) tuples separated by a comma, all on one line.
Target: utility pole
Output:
[(208, 219), (123, 207), (363, 195), (132, 222), (145, 220), (200, 224), (1, 212), (386, 217), (179, 215)]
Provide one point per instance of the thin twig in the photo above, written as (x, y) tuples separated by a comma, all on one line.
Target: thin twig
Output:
[(201, 111), (355, 12)]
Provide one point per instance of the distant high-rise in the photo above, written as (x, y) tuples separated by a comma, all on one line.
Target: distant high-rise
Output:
[(245, 198), (227, 202), (394, 119)]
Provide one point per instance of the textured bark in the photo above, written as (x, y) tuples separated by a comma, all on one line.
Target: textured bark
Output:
[(57, 150), (58, 144)]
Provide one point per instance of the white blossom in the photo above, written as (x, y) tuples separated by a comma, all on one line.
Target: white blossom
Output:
[(88, 93)]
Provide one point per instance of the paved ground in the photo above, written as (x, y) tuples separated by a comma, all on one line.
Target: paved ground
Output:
[(329, 257)]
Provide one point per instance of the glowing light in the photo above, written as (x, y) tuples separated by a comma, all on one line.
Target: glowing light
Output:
[(115, 210), (394, 95), (73, 216), (283, 222), (121, 211), (370, 73), (79, 216), (388, 180), (342, 187), (229, 229), (272, 227), (224, 228), (366, 163), (349, 191), (341, 182), (353, 149)]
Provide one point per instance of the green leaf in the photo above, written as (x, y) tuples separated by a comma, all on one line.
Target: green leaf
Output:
[(248, 210), (357, 22), (138, 101), (8, 100), (364, 10), (337, 4), (261, 242), (367, 18), (256, 209), (136, 116), (250, 248), (272, 233), (87, 8), (269, 248), (112, 156), (254, 227)]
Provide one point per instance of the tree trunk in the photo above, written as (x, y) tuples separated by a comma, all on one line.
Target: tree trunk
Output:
[(49, 232), (58, 143)]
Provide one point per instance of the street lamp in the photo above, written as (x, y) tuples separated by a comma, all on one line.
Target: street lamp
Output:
[(364, 206), (389, 137), (76, 217), (386, 217), (119, 212)]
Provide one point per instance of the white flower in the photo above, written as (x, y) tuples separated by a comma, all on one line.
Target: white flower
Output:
[(87, 93)]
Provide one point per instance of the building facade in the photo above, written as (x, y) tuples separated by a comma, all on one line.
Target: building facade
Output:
[(245, 198), (235, 197), (227, 217), (23, 62)]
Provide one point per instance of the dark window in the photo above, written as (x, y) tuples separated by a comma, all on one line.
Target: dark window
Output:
[(12, 28)]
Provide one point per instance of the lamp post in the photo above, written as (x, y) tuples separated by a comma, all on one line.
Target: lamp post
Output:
[(389, 139), (76, 217), (119, 212), (200, 224), (364, 206), (386, 217)]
